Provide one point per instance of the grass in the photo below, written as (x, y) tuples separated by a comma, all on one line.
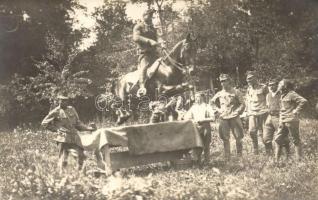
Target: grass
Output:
[(29, 171)]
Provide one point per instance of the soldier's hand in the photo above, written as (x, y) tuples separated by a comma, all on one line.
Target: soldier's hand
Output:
[(163, 44), (153, 43)]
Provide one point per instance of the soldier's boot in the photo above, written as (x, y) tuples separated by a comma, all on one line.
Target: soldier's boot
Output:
[(196, 155), (239, 148), (255, 142), (287, 150), (227, 150), (206, 153), (278, 152), (268, 149), (298, 152)]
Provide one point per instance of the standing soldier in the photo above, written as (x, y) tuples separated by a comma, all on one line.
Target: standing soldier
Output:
[(272, 121), (291, 105), (231, 106), (256, 108), (202, 114), (65, 121), (145, 36)]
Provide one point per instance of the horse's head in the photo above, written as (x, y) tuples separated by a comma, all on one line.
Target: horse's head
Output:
[(188, 53)]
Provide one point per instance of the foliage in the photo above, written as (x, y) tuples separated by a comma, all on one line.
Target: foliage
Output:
[(234, 36)]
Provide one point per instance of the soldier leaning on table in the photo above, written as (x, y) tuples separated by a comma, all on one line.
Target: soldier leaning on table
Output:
[(202, 114), (291, 105), (256, 108), (231, 107), (65, 121)]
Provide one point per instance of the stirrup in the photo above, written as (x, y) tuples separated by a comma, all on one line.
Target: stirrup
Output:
[(141, 92)]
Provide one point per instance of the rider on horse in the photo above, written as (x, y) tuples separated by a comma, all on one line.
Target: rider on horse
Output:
[(146, 38)]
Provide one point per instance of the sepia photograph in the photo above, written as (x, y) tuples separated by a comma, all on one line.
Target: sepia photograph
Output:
[(159, 99)]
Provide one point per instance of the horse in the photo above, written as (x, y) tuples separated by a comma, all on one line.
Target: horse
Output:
[(166, 80)]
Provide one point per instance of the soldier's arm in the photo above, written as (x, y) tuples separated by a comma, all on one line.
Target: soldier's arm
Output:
[(48, 121), (210, 114), (188, 115), (137, 37), (300, 101), (241, 101), (79, 124)]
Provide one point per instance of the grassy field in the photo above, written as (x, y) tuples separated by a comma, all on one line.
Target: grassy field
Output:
[(29, 171)]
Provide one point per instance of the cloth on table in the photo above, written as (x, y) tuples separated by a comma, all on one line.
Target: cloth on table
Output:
[(101, 137), (145, 138), (160, 137)]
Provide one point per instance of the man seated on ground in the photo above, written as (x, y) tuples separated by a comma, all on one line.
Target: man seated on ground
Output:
[(202, 114), (231, 106), (65, 121)]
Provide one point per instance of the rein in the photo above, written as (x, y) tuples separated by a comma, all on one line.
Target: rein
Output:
[(174, 63)]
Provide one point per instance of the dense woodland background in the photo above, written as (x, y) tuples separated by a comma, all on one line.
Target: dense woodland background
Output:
[(40, 51)]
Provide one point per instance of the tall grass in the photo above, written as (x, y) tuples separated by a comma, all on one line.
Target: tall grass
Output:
[(29, 171)]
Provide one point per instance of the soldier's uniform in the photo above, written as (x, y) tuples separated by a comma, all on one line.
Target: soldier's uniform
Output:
[(143, 34), (272, 121), (257, 110), (291, 104), (67, 124), (231, 106)]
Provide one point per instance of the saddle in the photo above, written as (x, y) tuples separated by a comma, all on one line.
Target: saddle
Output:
[(133, 78)]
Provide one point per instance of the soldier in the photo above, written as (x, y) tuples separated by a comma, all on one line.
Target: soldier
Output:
[(272, 121), (202, 114), (158, 111), (231, 106), (256, 108), (65, 121), (145, 36), (291, 105)]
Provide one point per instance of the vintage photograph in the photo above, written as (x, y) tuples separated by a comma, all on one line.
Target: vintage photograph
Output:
[(159, 99)]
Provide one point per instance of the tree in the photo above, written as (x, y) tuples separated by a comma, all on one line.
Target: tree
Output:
[(37, 45)]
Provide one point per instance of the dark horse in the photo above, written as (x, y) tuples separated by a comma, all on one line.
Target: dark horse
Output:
[(166, 79)]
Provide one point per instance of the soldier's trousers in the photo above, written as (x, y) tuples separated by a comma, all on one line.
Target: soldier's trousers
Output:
[(286, 128), (234, 125), (205, 133), (255, 126), (145, 61), (65, 149), (271, 131)]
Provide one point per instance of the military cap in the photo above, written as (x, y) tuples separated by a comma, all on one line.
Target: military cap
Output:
[(273, 82), (62, 96), (224, 77), (250, 75)]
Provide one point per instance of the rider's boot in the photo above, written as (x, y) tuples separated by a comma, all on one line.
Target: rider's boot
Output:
[(142, 79)]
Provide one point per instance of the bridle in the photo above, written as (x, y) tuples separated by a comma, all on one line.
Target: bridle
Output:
[(174, 63), (181, 67)]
